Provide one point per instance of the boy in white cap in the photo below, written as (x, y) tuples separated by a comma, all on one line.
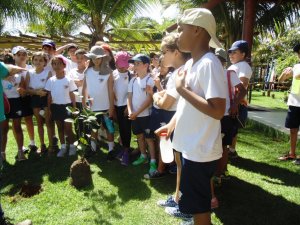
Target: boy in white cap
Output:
[(196, 124)]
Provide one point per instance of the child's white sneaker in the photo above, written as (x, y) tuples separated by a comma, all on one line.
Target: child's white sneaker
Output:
[(62, 152), (72, 150)]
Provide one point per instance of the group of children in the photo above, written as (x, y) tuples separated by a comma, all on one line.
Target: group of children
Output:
[(187, 102)]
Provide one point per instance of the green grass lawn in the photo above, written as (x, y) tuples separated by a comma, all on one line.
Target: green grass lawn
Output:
[(261, 191), (257, 99)]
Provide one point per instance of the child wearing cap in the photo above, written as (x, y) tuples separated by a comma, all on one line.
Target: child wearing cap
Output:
[(121, 80), (98, 88), (292, 119), (60, 95), (237, 54), (21, 56), (139, 104), (196, 123)]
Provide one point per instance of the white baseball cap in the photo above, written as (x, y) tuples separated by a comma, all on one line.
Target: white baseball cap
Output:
[(17, 49), (202, 17)]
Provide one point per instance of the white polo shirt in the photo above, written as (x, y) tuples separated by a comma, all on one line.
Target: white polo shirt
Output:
[(38, 80), (75, 75), (121, 81), (197, 135), (97, 88), (171, 88), (242, 69), (60, 89), (137, 87)]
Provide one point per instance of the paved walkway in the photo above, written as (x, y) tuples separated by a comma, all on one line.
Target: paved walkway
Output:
[(275, 119)]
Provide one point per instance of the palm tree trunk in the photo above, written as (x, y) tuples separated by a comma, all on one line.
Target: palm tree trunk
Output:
[(248, 23)]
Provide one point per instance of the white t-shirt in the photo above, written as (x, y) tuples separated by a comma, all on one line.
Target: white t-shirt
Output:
[(294, 96), (75, 75), (10, 87), (234, 81), (171, 89), (38, 81), (121, 81), (197, 135), (70, 65), (242, 69), (60, 89), (97, 89), (137, 87)]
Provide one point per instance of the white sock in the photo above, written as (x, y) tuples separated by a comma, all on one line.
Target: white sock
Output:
[(32, 142), (111, 145), (144, 155), (63, 145), (93, 145), (153, 160)]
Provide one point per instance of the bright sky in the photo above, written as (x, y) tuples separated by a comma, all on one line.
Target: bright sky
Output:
[(154, 11)]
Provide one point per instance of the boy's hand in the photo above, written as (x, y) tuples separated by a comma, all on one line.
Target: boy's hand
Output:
[(180, 79), (132, 116), (168, 128), (41, 92), (21, 91)]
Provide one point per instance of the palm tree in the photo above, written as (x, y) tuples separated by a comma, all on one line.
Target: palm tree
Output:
[(97, 14), (16, 9), (229, 16)]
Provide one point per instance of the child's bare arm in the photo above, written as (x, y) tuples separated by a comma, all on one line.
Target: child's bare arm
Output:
[(111, 94), (73, 100), (84, 93)]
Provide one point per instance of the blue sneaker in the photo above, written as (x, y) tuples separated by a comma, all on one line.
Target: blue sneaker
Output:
[(169, 202), (174, 211)]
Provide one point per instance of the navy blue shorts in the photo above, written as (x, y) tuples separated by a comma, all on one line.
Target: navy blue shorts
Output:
[(141, 126), (293, 117), (26, 106), (195, 186), (59, 112), (227, 128), (38, 101), (159, 116), (15, 108)]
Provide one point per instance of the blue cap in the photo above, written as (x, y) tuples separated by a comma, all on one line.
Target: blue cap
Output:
[(241, 45), (140, 58), (49, 42)]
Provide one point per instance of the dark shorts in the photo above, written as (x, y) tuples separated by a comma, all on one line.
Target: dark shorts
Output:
[(59, 112), (195, 186), (15, 108), (227, 128), (141, 126), (293, 117), (159, 116), (26, 106), (79, 106), (242, 116), (39, 102)]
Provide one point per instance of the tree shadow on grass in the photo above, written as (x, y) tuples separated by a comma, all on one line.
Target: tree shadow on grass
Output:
[(247, 204), (34, 169), (99, 196), (287, 177), (127, 179)]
